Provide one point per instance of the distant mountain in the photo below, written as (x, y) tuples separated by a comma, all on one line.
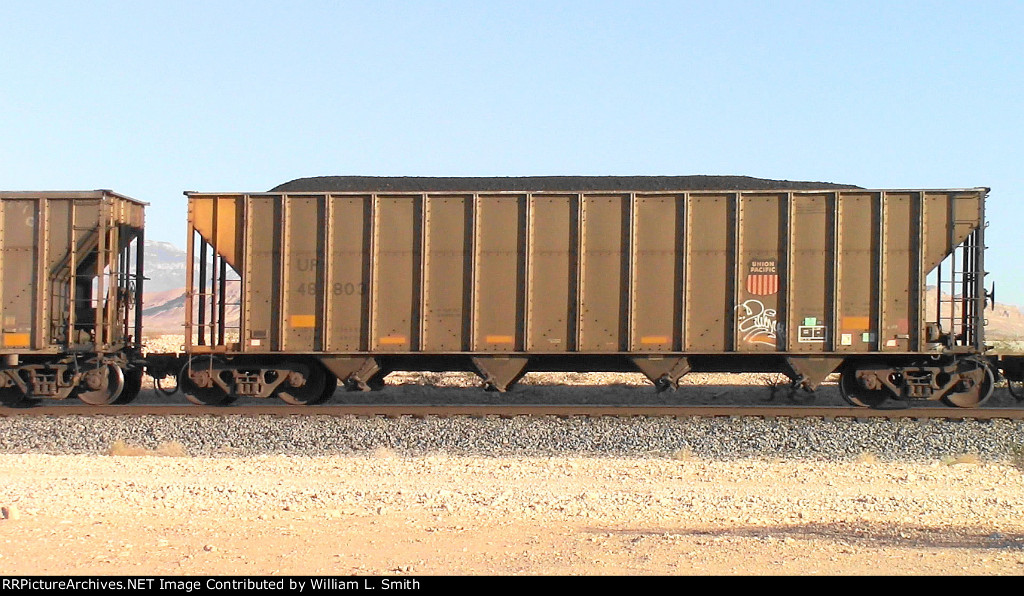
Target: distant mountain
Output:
[(165, 267), (164, 312), (1002, 321), (163, 302)]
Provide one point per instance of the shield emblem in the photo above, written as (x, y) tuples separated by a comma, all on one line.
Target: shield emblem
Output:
[(763, 277), (763, 284)]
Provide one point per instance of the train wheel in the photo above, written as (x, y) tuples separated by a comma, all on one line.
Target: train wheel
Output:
[(132, 386), (102, 386), (981, 383), (305, 390), (194, 383), (856, 394)]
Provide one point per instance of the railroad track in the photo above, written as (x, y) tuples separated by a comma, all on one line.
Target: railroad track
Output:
[(508, 411)]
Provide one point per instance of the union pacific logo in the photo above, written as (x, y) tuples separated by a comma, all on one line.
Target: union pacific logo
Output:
[(763, 277)]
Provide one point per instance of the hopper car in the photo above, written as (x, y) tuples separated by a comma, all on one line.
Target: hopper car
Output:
[(70, 283)]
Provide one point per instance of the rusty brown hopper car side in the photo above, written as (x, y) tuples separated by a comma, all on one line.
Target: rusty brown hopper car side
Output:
[(70, 267), (801, 280)]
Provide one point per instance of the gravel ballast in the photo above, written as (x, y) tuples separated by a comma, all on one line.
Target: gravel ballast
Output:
[(710, 438)]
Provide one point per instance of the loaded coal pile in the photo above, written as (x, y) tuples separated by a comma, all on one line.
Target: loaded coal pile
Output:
[(544, 183)]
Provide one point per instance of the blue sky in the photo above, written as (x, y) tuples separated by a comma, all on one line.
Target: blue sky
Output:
[(150, 99)]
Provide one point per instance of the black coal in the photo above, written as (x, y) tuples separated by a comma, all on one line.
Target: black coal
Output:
[(544, 183)]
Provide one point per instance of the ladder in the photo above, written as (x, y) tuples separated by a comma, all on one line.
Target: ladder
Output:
[(959, 310)]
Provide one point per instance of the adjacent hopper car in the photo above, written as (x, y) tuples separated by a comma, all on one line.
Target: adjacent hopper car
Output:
[(70, 287), (345, 279)]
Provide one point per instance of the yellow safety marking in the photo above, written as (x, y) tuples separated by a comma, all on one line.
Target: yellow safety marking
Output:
[(654, 339), (393, 340), (17, 340), (303, 320), (500, 339), (856, 323)]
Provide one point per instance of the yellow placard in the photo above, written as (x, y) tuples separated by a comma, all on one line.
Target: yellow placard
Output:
[(304, 321), (17, 340), (856, 323), (654, 339), (392, 340), (499, 339)]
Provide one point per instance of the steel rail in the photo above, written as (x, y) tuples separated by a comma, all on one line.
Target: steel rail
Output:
[(509, 411)]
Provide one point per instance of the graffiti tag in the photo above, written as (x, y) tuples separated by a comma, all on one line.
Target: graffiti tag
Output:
[(756, 323)]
